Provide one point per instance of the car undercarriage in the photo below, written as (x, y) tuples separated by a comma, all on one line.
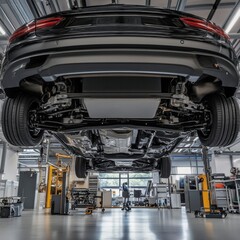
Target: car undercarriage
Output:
[(122, 149), (120, 86), (166, 104)]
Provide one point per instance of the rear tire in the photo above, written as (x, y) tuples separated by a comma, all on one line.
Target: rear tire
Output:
[(16, 121), (224, 125), (165, 167), (81, 167)]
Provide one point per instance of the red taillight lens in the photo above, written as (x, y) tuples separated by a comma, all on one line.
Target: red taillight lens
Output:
[(48, 22), (24, 30), (202, 24), (35, 25)]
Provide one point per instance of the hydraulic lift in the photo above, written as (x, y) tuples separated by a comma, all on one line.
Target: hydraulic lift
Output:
[(208, 210)]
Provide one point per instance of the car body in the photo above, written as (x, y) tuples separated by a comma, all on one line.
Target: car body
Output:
[(120, 85)]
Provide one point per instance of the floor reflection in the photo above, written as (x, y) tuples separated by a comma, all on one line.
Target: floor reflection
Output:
[(147, 224)]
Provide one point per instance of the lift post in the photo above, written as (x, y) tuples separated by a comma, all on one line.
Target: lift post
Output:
[(206, 180), (208, 210)]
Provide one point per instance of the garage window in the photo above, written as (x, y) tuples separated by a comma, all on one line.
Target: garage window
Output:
[(115, 180)]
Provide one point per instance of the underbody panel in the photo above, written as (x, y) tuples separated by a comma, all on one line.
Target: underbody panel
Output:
[(121, 149)]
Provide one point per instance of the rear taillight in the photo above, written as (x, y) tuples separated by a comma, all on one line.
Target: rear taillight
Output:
[(48, 22), (202, 24), (35, 25), (22, 31)]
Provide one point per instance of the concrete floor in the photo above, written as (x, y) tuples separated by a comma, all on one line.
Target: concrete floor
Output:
[(114, 224)]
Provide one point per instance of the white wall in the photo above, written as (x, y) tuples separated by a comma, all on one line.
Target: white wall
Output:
[(221, 164), (236, 161), (10, 171)]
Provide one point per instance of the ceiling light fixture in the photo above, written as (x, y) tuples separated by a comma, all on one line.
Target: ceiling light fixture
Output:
[(2, 31), (233, 20)]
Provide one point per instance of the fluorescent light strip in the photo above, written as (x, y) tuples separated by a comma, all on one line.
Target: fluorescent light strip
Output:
[(2, 31), (233, 21)]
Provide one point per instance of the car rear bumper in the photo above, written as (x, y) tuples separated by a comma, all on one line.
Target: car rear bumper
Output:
[(100, 56)]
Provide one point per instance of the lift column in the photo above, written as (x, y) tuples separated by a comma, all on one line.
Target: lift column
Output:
[(206, 188), (208, 211)]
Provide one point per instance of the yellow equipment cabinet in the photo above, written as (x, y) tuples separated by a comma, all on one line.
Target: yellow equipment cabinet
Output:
[(55, 179), (54, 186)]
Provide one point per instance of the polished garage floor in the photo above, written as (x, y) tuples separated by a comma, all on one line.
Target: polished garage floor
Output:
[(114, 224)]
